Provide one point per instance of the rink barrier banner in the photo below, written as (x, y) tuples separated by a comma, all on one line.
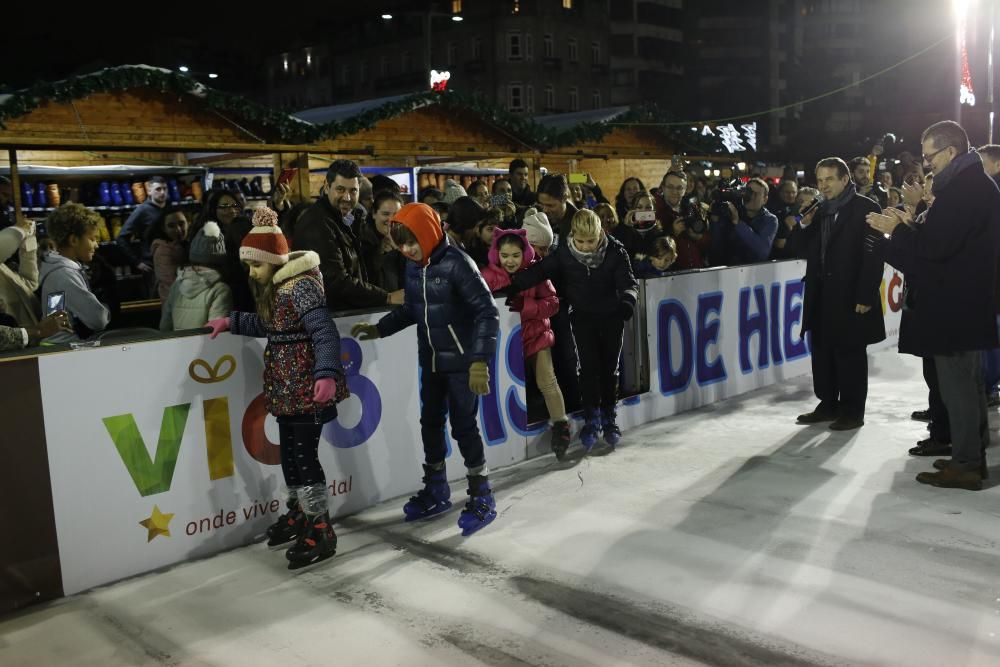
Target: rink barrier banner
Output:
[(29, 553), (167, 453)]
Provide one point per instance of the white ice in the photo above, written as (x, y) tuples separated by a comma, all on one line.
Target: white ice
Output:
[(724, 536)]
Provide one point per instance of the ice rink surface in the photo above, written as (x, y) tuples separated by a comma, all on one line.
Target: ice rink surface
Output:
[(723, 536)]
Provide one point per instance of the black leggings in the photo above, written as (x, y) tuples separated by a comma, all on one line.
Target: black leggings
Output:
[(300, 454)]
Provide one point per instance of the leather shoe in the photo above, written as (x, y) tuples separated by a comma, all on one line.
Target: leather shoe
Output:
[(941, 464), (921, 415), (846, 424), (931, 447), (815, 417), (952, 479)]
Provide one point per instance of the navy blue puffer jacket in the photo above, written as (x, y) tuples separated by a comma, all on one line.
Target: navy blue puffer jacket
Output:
[(453, 309)]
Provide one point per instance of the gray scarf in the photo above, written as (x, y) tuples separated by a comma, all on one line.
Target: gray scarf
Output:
[(828, 217), (956, 166), (591, 260)]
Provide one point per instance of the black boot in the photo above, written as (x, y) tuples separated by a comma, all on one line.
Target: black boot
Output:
[(288, 526), (316, 543), (560, 438)]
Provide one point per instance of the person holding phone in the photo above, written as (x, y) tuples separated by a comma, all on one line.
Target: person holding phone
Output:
[(73, 228)]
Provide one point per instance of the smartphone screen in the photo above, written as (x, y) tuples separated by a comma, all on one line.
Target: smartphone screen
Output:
[(577, 177), (499, 200), (287, 175), (55, 302)]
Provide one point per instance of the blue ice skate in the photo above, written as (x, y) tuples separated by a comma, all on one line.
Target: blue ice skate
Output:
[(588, 434), (431, 500), (481, 508), (612, 434)]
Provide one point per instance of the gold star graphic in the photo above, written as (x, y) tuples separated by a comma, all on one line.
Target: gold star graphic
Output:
[(157, 524)]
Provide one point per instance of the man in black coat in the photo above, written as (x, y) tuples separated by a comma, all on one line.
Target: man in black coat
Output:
[(842, 307), (332, 228), (951, 262)]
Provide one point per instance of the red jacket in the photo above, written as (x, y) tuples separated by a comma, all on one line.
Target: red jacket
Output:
[(536, 304)]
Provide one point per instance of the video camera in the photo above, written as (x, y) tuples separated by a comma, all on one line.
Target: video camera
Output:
[(729, 192)]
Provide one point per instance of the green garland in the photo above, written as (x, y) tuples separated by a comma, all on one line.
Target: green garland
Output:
[(292, 130), (118, 79)]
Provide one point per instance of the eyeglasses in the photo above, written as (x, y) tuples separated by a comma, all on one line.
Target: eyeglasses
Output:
[(928, 158)]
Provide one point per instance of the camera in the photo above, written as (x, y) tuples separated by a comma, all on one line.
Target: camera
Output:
[(729, 192)]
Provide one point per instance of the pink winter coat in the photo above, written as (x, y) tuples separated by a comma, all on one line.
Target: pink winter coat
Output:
[(536, 304)]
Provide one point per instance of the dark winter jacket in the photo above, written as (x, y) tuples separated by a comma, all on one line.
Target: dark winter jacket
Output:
[(950, 263), (630, 238), (446, 297), (746, 242), (536, 305), (849, 276), (303, 344), (345, 278), (600, 291)]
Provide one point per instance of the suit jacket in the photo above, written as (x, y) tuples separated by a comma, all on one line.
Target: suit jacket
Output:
[(850, 275)]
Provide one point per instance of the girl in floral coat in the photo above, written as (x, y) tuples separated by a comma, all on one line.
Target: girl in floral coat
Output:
[(303, 377)]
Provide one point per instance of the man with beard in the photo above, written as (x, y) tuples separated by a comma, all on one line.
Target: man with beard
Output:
[(861, 170), (842, 306), (329, 228)]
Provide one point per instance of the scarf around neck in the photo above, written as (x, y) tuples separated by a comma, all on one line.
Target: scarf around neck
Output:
[(954, 168), (591, 260)]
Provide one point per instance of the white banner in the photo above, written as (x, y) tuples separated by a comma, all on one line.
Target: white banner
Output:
[(166, 453), (163, 452)]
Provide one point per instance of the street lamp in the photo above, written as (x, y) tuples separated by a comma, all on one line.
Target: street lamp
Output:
[(183, 68)]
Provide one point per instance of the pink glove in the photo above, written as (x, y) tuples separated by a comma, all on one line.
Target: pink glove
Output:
[(324, 390), (218, 325)]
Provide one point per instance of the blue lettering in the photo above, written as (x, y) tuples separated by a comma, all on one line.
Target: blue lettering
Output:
[(794, 290), (755, 325), (708, 334), (516, 408), (775, 312), (366, 392), (673, 380), (494, 432)]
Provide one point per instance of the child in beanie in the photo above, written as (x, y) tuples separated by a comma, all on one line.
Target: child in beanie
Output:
[(509, 253), (303, 377), (457, 325), (199, 293)]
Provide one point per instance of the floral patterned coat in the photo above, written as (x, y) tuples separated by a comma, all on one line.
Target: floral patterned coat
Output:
[(303, 344)]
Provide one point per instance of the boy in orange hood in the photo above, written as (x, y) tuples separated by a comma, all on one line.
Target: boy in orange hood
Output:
[(457, 322)]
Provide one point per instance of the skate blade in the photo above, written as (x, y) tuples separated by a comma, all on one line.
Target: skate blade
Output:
[(470, 530), (299, 564), (436, 512), (279, 545)]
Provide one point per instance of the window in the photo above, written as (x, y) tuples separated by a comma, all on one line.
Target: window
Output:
[(595, 100), (514, 46), (363, 71), (344, 75), (549, 46), (595, 53), (574, 56), (477, 48), (529, 98), (529, 47), (452, 54), (550, 97), (574, 99), (456, 6), (567, 4), (406, 61), (384, 66), (515, 97)]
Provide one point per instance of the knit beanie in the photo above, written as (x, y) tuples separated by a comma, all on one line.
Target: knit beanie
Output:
[(452, 191), (265, 242), (208, 248), (537, 226)]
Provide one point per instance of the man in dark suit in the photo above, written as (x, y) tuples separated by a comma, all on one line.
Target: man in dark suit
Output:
[(842, 306), (951, 262)]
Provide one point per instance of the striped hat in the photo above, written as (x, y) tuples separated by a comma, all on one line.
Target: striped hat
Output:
[(265, 242)]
